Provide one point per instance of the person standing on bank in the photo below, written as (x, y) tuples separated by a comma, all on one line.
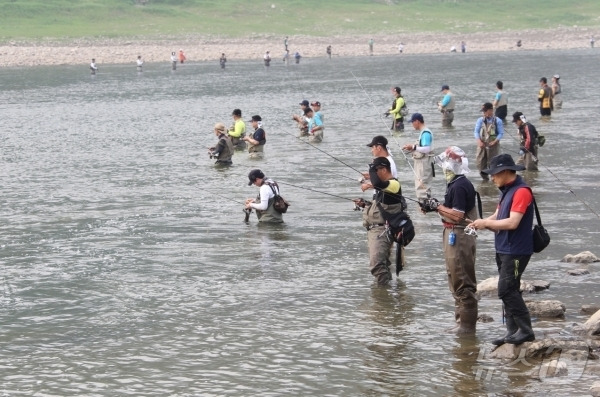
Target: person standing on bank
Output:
[(256, 141), (528, 136), (489, 129), (500, 102), (223, 150), (422, 154), (446, 106), (396, 110), (456, 212), (173, 61), (263, 203), (238, 130), (556, 92), (512, 223), (545, 98), (388, 196), (93, 67)]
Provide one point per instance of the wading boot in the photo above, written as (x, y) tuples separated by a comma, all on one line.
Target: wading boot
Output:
[(511, 328), (456, 326), (468, 322), (525, 332)]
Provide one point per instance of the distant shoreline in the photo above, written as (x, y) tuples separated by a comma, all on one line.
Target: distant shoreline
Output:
[(201, 48)]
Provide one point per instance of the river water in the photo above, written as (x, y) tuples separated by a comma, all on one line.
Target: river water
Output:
[(127, 269)]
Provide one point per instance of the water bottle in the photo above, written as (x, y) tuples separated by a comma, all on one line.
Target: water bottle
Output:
[(452, 238)]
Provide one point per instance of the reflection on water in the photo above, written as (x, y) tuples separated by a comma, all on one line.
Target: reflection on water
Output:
[(127, 267)]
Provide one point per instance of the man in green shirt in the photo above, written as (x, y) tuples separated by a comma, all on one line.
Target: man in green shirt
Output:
[(238, 130)]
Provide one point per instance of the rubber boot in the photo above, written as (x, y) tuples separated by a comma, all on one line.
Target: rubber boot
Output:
[(525, 332), (456, 326), (511, 328), (468, 321)]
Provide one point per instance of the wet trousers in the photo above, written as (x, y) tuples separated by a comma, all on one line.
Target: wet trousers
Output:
[(423, 177), (485, 155), (529, 160), (380, 250), (460, 268)]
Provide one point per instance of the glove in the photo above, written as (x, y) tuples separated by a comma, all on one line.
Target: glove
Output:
[(429, 205), (387, 114)]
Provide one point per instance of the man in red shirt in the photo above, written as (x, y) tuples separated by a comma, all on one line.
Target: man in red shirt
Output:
[(512, 222)]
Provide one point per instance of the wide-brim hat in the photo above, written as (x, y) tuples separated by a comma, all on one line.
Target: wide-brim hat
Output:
[(502, 162)]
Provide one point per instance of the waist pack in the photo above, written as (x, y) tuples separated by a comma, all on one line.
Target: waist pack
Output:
[(400, 226), (279, 203), (541, 237), (404, 110)]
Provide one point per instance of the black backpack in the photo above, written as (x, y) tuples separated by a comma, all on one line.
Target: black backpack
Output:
[(279, 203)]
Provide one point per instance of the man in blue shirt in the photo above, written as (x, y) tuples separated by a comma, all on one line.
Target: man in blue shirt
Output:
[(489, 130), (422, 154), (446, 106)]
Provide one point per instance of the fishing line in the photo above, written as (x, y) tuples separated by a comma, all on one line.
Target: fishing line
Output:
[(322, 151), (386, 127), (335, 173), (316, 191), (585, 204)]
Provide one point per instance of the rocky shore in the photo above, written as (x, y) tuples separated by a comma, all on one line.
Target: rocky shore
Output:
[(119, 51)]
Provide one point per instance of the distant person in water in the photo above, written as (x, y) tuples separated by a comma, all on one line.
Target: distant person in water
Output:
[(93, 67), (139, 63), (286, 57), (297, 56), (371, 42), (400, 48), (328, 51), (267, 59), (173, 61), (222, 60), (182, 57), (463, 47), (592, 41)]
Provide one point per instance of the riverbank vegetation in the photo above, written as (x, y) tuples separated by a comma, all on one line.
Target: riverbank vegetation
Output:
[(167, 19)]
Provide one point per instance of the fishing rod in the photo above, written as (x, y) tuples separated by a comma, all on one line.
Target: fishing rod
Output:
[(313, 190), (247, 211), (585, 204), (335, 173), (322, 151), (386, 127)]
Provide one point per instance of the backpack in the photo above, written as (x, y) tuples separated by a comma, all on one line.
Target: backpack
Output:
[(404, 110), (400, 226), (279, 203)]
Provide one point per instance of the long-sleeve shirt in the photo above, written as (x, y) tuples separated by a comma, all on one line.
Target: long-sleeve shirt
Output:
[(499, 127)]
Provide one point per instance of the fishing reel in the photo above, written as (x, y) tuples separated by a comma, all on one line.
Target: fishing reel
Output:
[(429, 204), (359, 204), (470, 231)]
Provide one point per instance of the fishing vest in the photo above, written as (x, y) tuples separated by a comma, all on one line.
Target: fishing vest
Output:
[(520, 240), (450, 105), (269, 215), (259, 148), (533, 135), (418, 155), (390, 202), (487, 133), (558, 89), (503, 101), (398, 103), (227, 152), (546, 97)]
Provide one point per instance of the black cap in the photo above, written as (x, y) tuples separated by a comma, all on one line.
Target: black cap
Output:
[(378, 140), (256, 117), (416, 117), (502, 162), (236, 112), (305, 103), (486, 106), (381, 162), (517, 116), (254, 175), (307, 110), (445, 87)]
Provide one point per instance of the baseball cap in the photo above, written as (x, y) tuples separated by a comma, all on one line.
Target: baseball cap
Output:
[(304, 103), (254, 175), (378, 140), (416, 116)]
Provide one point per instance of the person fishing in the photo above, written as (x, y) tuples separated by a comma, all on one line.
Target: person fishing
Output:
[(263, 203), (256, 141), (459, 246), (223, 150), (488, 132), (528, 136), (422, 154), (512, 224), (396, 110), (388, 197), (238, 130)]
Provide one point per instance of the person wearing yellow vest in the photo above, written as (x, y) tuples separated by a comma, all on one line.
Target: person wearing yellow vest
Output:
[(545, 98), (238, 130), (396, 110)]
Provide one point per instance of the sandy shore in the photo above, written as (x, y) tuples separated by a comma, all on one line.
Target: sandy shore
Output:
[(46, 52)]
